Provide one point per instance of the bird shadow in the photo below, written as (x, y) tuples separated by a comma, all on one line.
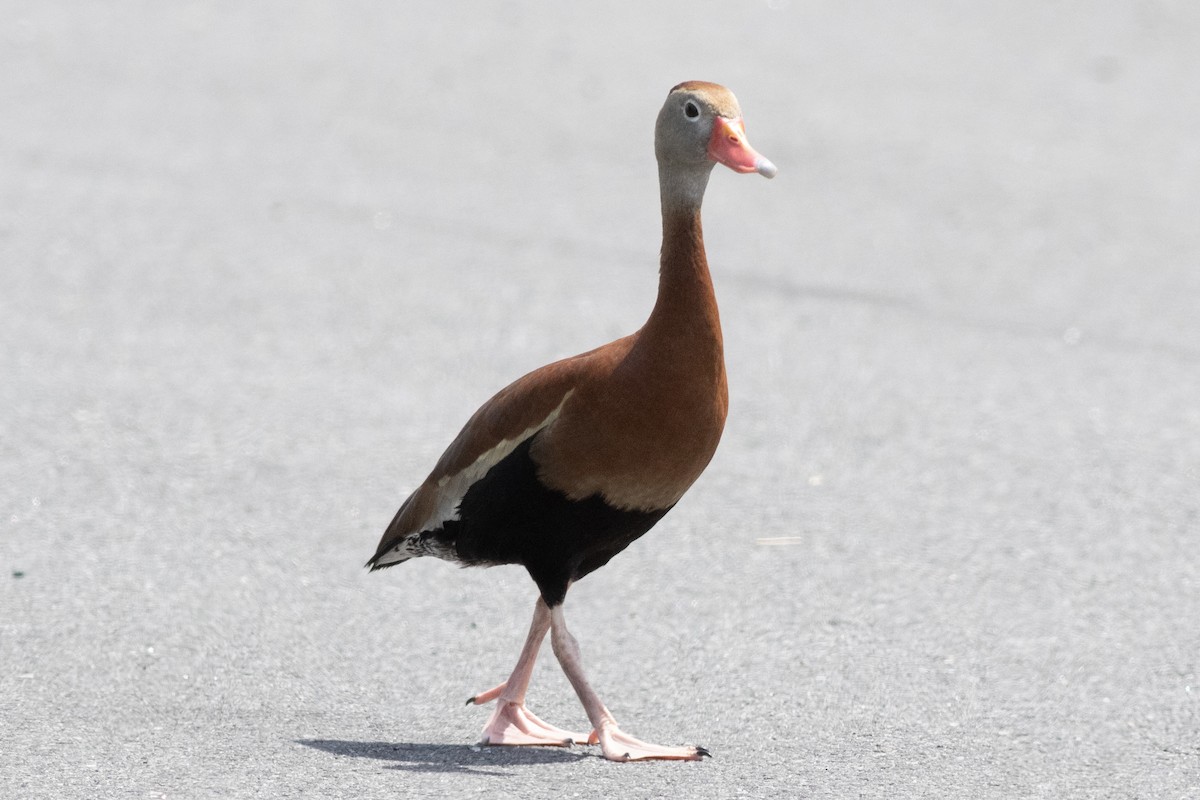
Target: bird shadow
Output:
[(460, 758)]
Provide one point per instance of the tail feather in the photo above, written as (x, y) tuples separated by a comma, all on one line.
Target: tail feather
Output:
[(375, 563), (415, 545), (416, 531), (392, 550)]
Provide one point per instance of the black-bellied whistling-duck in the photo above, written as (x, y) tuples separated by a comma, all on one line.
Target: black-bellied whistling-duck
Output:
[(564, 468)]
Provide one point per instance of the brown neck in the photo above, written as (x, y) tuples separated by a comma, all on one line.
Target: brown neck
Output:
[(684, 282), (685, 302), (684, 326)]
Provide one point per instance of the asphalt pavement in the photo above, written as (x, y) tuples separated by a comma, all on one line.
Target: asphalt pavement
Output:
[(259, 262)]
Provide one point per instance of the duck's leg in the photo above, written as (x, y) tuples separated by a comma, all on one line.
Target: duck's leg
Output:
[(512, 723), (615, 743)]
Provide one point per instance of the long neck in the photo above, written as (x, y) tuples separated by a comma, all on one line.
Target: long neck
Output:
[(685, 290), (685, 326)]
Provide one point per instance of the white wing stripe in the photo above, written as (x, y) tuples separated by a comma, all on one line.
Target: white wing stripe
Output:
[(452, 488)]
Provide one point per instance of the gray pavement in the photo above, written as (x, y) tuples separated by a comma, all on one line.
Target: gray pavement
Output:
[(258, 263)]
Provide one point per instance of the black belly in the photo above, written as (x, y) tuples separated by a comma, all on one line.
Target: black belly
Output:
[(510, 517)]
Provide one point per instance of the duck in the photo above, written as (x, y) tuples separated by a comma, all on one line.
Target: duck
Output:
[(567, 466)]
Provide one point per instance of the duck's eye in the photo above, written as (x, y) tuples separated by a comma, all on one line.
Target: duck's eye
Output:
[(691, 110)]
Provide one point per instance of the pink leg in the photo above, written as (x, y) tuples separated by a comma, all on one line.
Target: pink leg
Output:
[(615, 743), (512, 723)]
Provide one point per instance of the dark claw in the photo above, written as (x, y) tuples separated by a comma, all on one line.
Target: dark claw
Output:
[(471, 700), (703, 752)]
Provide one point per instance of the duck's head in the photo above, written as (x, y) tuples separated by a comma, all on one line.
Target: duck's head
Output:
[(701, 124)]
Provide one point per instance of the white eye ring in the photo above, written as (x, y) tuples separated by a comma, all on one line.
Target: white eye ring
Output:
[(691, 110)]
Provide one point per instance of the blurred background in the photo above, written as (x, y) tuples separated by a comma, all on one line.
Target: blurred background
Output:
[(259, 262)]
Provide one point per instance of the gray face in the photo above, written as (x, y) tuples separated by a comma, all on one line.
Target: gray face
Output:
[(685, 123)]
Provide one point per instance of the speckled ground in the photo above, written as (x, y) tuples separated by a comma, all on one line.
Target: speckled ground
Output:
[(258, 263)]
